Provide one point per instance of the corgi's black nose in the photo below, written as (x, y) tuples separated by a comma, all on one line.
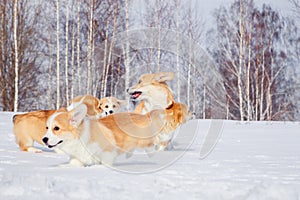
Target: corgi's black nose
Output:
[(45, 140), (111, 112)]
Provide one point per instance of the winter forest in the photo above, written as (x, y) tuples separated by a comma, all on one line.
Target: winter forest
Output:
[(243, 66)]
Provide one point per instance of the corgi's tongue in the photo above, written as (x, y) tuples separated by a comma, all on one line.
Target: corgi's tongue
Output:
[(135, 95)]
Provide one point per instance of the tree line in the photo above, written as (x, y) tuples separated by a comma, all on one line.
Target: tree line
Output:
[(245, 67)]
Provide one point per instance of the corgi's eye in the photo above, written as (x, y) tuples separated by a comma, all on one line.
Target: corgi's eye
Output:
[(140, 81), (56, 128), (47, 127), (114, 106), (106, 106)]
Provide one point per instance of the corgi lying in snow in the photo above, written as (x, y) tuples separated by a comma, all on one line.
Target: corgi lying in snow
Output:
[(30, 127), (153, 93), (91, 141)]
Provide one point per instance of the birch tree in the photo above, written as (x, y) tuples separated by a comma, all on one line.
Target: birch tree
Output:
[(18, 57), (57, 56), (67, 52), (78, 48), (90, 48), (177, 4), (15, 19), (251, 59), (127, 58), (296, 7)]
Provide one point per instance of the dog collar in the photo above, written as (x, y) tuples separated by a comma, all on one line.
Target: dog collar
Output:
[(170, 106)]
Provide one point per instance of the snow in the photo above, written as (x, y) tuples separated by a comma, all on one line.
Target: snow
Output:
[(255, 160)]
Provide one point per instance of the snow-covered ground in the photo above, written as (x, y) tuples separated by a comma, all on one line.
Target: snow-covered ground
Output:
[(256, 160)]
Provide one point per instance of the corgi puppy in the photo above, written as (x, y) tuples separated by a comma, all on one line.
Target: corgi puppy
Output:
[(98, 108), (153, 93), (30, 127), (111, 105), (90, 141)]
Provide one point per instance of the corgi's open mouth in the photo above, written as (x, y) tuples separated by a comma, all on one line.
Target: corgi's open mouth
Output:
[(51, 146), (135, 94)]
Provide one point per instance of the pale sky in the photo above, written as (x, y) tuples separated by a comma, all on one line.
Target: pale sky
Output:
[(207, 6)]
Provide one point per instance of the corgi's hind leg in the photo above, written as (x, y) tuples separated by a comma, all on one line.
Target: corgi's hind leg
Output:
[(26, 144)]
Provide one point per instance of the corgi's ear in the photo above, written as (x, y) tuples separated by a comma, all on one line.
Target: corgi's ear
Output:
[(123, 102), (164, 76), (78, 114), (101, 102)]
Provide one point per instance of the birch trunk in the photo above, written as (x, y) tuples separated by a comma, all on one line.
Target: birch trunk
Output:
[(195, 80), (78, 48), (50, 72), (127, 59), (57, 57), (189, 77), (15, 7), (261, 115), (159, 33), (105, 59), (249, 116), (241, 57), (67, 52), (256, 83), (72, 62), (177, 50), (204, 96), (110, 56), (89, 52), (248, 84)]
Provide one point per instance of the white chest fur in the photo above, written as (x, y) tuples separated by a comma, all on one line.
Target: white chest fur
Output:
[(85, 151)]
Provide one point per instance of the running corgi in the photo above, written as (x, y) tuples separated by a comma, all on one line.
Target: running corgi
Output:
[(153, 93), (30, 127), (90, 141)]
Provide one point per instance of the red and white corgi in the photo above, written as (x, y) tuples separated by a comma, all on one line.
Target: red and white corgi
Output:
[(31, 126), (111, 105), (91, 141), (98, 107), (153, 93)]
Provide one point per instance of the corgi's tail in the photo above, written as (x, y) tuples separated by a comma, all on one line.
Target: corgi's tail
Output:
[(14, 118)]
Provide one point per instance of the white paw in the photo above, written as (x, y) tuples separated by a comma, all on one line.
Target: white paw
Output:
[(34, 150), (160, 147)]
